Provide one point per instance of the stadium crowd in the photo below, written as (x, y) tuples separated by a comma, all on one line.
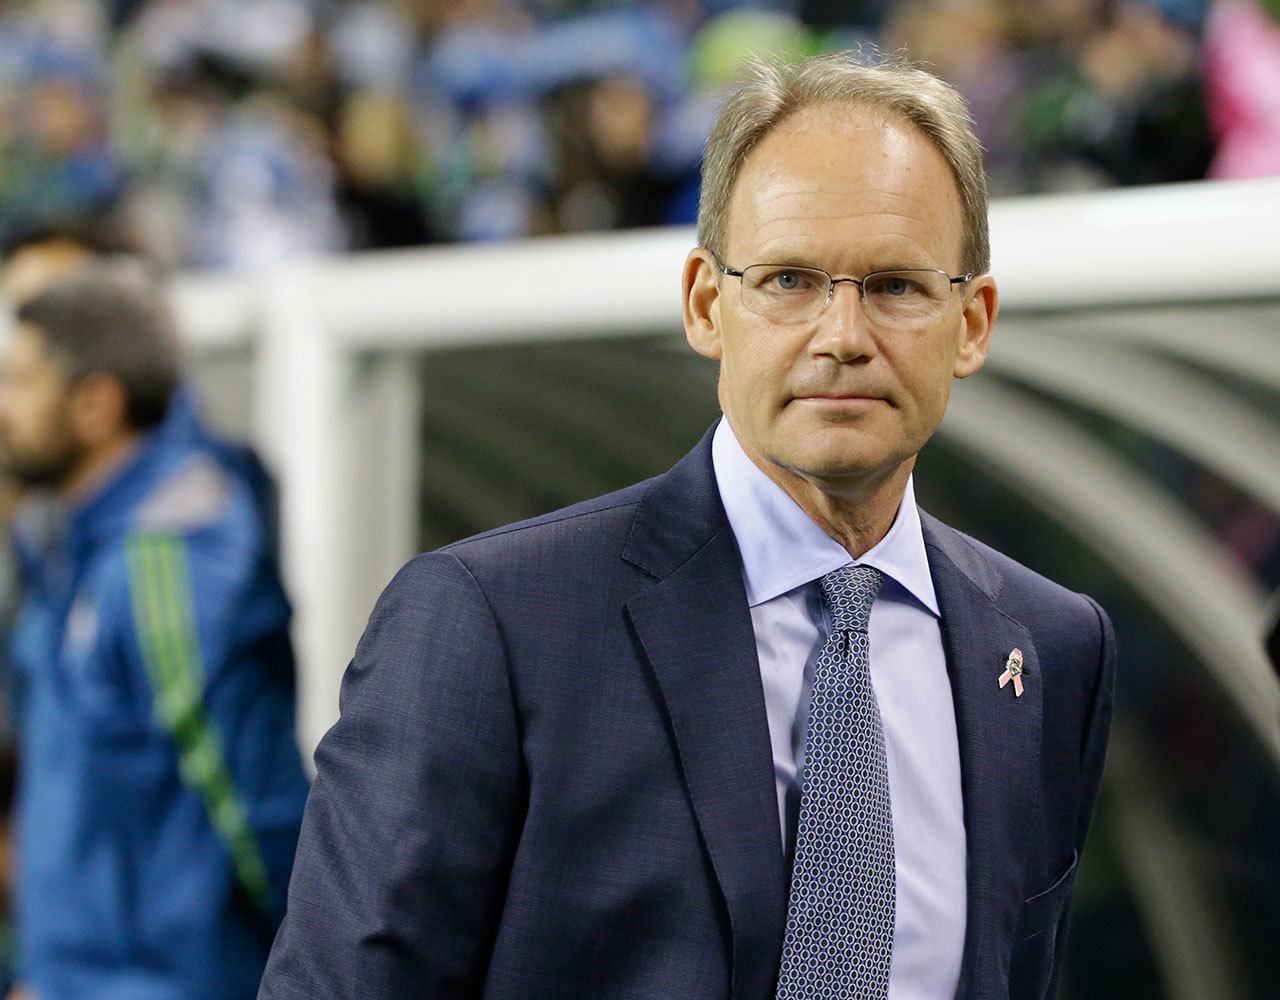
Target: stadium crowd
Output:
[(234, 133)]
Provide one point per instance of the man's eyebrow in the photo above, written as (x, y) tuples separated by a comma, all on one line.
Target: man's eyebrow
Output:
[(792, 258)]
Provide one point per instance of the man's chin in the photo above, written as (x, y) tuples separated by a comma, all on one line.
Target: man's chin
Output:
[(836, 454), (836, 468)]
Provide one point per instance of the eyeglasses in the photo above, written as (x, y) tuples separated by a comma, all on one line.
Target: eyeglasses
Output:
[(903, 299)]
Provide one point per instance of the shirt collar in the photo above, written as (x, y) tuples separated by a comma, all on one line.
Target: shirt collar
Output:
[(783, 548)]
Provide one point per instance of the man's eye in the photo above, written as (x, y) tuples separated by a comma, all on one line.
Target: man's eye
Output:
[(898, 286), (788, 281)]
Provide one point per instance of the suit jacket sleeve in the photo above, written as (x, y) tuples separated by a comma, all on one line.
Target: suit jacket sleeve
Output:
[(1093, 752), (411, 825)]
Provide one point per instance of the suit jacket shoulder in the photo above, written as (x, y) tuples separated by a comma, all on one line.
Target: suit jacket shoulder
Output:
[(586, 515), (1018, 592)]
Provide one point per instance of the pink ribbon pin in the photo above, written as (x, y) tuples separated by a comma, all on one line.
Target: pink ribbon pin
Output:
[(1013, 672)]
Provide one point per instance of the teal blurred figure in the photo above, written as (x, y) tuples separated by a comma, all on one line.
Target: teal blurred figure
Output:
[(160, 786)]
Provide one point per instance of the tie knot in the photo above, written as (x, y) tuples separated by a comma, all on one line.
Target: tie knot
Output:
[(849, 593)]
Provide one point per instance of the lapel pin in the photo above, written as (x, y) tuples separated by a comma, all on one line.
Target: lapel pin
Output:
[(1013, 671)]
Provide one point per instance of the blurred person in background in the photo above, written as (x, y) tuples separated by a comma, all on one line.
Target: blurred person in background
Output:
[(1242, 76), (160, 784), (57, 154), (604, 137), (31, 260), (758, 727)]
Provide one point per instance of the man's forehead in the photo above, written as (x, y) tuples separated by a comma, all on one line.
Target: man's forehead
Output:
[(835, 134), (849, 170)]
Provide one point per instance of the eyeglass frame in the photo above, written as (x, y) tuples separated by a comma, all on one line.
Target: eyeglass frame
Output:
[(832, 280)]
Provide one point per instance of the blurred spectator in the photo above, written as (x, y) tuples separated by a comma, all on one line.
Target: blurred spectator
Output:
[(28, 263), (161, 789), (56, 157), (604, 136), (239, 134), (32, 260), (379, 164), (1242, 74), (1070, 94)]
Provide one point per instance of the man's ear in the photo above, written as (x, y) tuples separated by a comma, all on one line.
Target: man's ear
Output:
[(701, 287), (982, 301), (98, 408)]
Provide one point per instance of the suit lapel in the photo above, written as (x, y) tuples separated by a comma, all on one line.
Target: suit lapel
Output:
[(694, 627), (999, 737)]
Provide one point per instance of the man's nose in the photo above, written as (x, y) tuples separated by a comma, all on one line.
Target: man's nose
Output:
[(844, 332)]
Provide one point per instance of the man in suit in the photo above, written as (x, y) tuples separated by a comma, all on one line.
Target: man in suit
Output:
[(757, 727)]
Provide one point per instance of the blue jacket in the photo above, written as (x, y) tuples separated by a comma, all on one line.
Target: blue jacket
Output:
[(161, 789)]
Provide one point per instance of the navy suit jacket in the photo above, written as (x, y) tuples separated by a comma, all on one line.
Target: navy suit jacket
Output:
[(552, 775)]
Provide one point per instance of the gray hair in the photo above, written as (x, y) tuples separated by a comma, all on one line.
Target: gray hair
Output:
[(768, 93), (112, 318)]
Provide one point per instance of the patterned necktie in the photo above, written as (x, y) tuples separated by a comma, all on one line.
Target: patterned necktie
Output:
[(839, 936)]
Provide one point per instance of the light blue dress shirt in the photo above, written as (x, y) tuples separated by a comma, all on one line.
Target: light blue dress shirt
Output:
[(784, 553)]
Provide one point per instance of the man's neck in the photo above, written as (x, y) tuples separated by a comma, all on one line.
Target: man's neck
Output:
[(857, 512), (96, 466)]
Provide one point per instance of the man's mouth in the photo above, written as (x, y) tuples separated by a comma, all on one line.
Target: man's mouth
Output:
[(837, 398)]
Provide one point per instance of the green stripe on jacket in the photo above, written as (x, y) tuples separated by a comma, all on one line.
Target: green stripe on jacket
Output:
[(164, 616)]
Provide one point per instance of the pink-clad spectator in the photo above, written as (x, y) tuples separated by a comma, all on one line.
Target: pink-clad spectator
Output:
[(1242, 86)]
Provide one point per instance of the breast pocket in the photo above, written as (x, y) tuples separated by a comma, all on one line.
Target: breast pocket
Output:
[(1031, 969)]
